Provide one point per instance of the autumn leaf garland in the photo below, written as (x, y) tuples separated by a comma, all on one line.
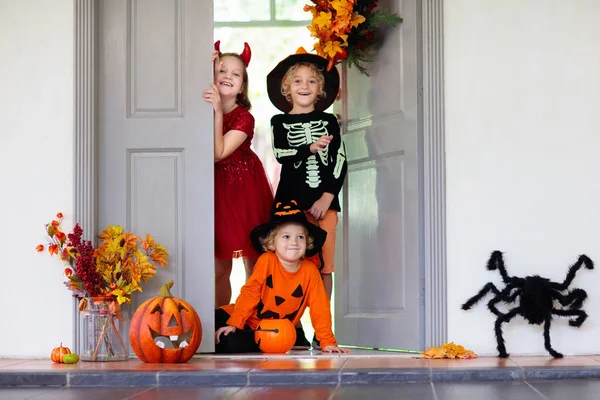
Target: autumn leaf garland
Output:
[(347, 30)]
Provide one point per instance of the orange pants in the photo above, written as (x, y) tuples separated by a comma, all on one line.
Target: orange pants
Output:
[(329, 224)]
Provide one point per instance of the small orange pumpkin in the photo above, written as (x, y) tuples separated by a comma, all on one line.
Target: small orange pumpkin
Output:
[(275, 335), (58, 353), (165, 329)]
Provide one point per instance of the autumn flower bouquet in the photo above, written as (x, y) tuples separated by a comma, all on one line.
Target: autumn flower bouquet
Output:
[(116, 269), (348, 30), (104, 278)]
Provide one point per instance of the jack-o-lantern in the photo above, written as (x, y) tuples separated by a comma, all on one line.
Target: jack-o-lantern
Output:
[(275, 335), (165, 329)]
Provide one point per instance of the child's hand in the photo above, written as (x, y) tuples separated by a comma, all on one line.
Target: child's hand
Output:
[(321, 143), (212, 96), (225, 330), (335, 349), (320, 207), (217, 61)]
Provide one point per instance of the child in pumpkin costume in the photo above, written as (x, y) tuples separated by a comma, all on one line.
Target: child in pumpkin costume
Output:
[(282, 284), (308, 145)]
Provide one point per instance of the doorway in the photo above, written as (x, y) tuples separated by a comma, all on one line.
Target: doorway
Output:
[(426, 31), (273, 29)]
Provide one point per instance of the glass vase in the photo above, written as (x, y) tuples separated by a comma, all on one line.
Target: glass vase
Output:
[(103, 330)]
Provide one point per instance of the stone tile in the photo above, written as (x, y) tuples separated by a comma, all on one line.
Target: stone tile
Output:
[(481, 374), (371, 371), (481, 362), (227, 365), (567, 361), (485, 390), (560, 390), (161, 393), (202, 378), (532, 374), (381, 376), (40, 365), (292, 378), (88, 378), (7, 362), (22, 393), (386, 363), (89, 393), (409, 391), (32, 379), (130, 365), (287, 393), (310, 364)]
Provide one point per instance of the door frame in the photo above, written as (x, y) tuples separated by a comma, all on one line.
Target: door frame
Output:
[(431, 139), (433, 135)]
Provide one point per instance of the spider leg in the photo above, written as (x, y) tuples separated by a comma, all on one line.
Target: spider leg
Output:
[(514, 296), (503, 296), (577, 322), (547, 344), (498, 330), (492, 305), (574, 298), (489, 287), (583, 259)]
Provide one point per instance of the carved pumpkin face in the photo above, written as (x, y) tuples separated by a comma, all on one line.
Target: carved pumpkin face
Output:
[(281, 294), (275, 335), (281, 209), (165, 329)]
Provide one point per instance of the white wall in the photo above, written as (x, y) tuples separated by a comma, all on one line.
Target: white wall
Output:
[(36, 171), (523, 144)]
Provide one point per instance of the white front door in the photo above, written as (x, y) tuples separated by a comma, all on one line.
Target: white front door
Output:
[(155, 139), (378, 285)]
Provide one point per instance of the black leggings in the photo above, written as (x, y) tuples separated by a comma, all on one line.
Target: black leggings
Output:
[(236, 342)]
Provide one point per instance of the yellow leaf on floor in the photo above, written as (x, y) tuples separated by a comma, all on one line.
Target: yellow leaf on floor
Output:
[(449, 350)]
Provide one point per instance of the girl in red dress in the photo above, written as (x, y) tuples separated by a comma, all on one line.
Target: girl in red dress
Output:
[(243, 196)]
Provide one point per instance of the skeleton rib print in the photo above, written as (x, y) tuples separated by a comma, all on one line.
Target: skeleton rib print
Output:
[(301, 133)]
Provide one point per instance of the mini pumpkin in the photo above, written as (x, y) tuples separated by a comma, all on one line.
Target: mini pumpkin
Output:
[(58, 353), (165, 329), (275, 335)]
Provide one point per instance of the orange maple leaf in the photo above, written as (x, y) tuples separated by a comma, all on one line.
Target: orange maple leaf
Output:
[(39, 247), (59, 215), (323, 20)]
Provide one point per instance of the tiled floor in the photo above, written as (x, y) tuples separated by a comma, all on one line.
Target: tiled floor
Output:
[(305, 375), (539, 390)]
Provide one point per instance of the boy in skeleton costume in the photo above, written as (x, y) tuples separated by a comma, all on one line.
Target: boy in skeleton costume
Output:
[(308, 145)]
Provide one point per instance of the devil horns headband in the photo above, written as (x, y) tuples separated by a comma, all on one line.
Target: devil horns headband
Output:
[(244, 55)]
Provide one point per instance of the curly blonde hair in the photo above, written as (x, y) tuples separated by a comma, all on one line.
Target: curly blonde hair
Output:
[(287, 80), (268, 242)]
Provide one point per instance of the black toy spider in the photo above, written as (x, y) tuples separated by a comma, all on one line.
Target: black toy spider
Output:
[(536, 299)]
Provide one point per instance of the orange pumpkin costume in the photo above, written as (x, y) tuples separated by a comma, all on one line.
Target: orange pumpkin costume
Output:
[(273, 292)]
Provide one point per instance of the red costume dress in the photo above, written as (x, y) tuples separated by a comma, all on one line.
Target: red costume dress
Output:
[(243, 196)]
